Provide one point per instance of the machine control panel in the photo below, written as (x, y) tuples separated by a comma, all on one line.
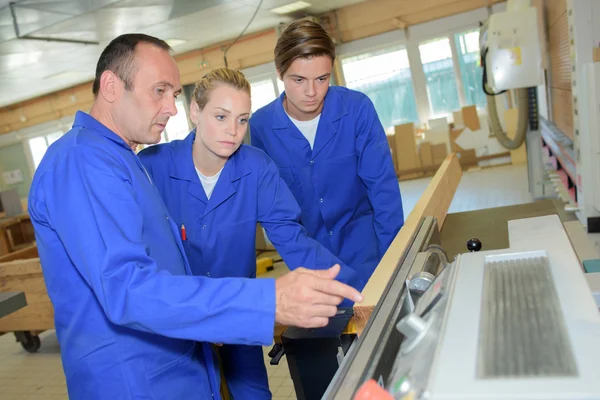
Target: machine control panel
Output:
[(421, 330)]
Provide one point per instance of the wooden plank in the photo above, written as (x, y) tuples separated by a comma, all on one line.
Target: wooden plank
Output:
[(22, 254), (435, 202), (470, 118), (26, 276)]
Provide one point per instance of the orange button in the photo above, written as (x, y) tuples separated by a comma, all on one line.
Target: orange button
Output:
[(370, 390)]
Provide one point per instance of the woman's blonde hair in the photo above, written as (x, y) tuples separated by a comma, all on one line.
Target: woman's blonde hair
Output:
[(215, 77)]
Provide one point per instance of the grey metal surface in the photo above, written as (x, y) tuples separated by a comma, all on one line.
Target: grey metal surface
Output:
[(360, 363), (522, 331), (11, 302)]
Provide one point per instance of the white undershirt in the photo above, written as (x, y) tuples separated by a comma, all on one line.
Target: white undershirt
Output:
[(208, 182), (308, 128)]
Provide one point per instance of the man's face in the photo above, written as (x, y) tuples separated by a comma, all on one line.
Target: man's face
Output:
[(306, 83), (142, 113), (222, 124)]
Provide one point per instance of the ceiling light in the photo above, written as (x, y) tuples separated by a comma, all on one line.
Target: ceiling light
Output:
[(175, 42), (291, 7)]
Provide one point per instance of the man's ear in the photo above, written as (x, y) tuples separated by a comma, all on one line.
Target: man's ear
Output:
[(194, 113), (109, 86)]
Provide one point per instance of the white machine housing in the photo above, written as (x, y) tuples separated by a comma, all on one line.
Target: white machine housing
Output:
[(514, 57), (452, 363)]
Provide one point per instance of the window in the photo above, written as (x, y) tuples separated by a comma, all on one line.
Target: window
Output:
[(467, 44), (385, 77), (280, 86), (39, 145), (436, 57), (178, 126), (263, 92)]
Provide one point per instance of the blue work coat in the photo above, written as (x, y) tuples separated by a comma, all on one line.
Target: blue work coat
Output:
[(346, 185), (221, 232), (128, 313)]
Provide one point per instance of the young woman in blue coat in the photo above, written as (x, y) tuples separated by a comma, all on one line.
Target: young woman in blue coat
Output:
[(332, 152), (216, 190)]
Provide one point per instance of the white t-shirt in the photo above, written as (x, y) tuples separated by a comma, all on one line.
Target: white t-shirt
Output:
[(308, 128), (208, 182)]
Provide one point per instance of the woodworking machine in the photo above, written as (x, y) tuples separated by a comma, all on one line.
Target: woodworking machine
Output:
[(519, 323)]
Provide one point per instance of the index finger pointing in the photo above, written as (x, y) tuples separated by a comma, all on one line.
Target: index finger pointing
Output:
[(336, 288)]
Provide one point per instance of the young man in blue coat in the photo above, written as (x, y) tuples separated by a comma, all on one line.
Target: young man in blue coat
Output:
[(217, 189), (131, 320), (332, 152)]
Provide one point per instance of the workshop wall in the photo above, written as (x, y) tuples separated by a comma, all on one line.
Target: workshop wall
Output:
[(351, 23), (13, 158)]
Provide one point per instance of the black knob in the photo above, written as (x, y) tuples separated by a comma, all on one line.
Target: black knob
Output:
[(474, 244)]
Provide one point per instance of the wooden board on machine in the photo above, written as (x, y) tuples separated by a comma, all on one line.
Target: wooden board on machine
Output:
[(435, 202)]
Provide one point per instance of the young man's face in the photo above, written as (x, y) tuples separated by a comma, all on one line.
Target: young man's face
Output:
[(306, 83), (143, 112)]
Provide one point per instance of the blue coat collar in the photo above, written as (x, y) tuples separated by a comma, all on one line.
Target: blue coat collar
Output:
[(86, 120), (182, 167), (333, 110)]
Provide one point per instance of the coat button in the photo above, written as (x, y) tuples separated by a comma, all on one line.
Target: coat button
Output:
[(312, 161), (321, 199), (208, 274), (330, 233), (203, 226)]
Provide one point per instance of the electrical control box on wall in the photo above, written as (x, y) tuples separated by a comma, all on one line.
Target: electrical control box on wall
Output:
[(514, 58)]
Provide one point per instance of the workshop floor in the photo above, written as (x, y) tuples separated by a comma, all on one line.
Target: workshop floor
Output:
[(39, 376)]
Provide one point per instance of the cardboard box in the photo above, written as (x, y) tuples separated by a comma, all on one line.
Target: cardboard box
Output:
[(438, 153), (458, 118), (406, 145), (467, 158), (470, 118), (262, 244), (392, 143), (425, 154), (454, 134)]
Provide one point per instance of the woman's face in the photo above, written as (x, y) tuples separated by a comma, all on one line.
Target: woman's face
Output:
[(223, 123)]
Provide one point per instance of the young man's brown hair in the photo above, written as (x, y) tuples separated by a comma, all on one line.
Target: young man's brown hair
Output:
[(302, 39)]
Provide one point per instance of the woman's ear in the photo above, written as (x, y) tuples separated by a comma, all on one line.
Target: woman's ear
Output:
[(194, 113)]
